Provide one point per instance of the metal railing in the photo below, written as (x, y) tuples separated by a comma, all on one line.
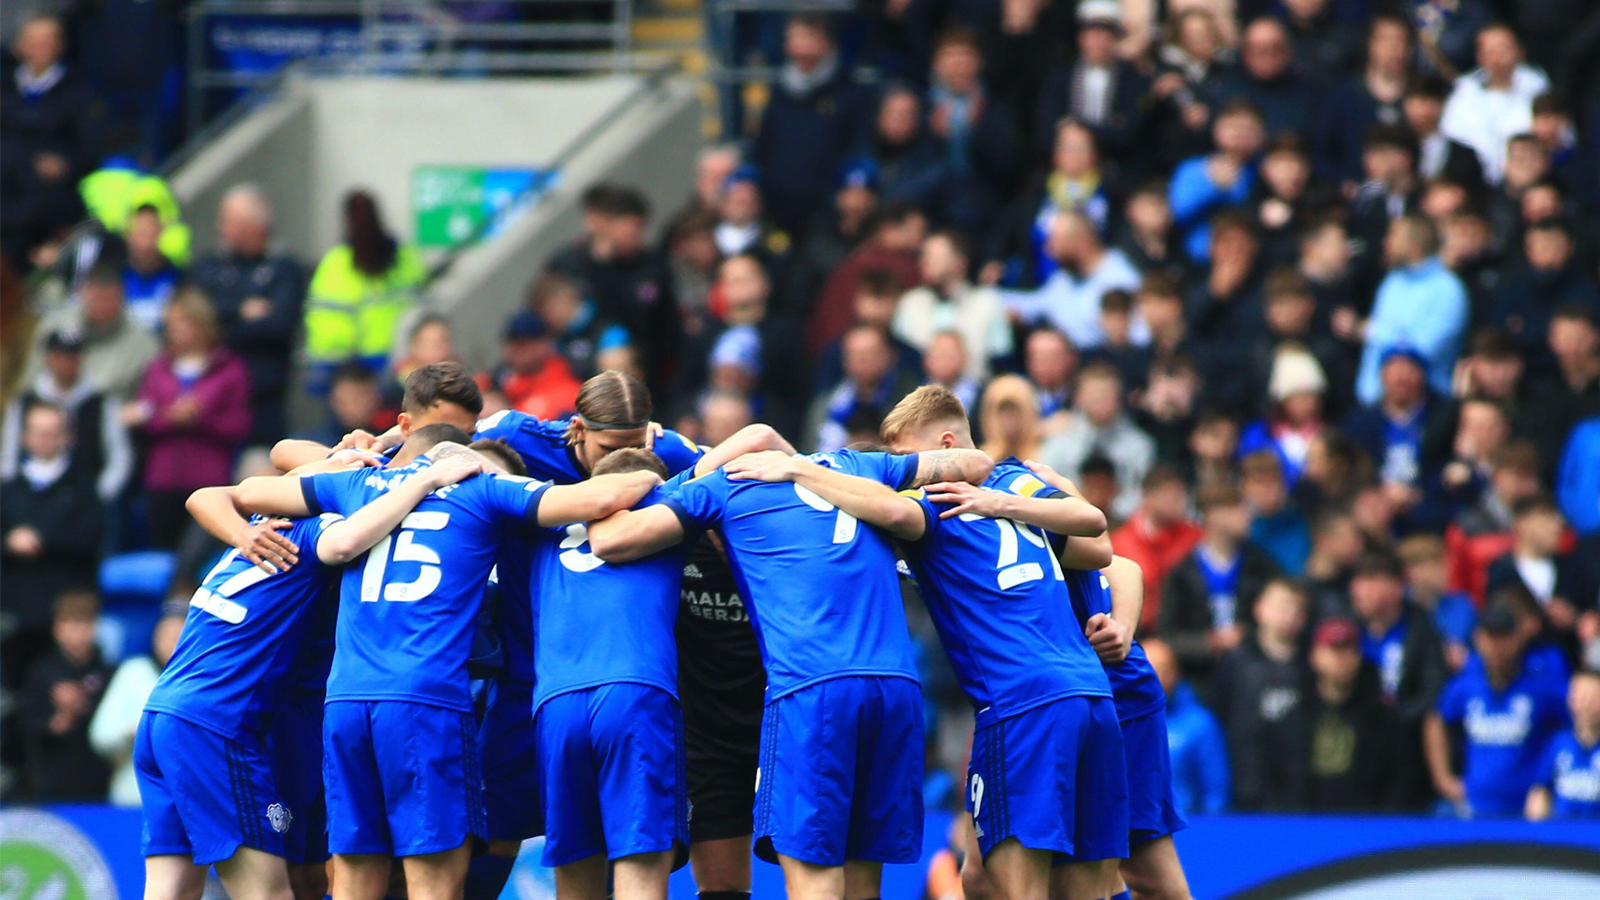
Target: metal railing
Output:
[(267, 39)]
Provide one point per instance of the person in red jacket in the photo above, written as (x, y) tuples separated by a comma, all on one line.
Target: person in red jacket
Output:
[(193, 411), (1158, 535), (895, 244)]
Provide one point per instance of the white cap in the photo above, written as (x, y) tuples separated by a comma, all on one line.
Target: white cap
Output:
[(1295, 371), (1100, 12)]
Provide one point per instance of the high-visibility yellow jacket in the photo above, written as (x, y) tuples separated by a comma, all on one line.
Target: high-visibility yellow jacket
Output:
[(112, 193), (350, 314)]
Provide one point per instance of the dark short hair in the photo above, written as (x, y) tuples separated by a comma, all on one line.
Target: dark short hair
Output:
[(1218, 493), (354, 372), (1550, 103), (104, 272), (1116, 300), (1380, 564), (1097, 464), (630, 459), (509, 459), (1429, 86), (429, 436), (1161, 474), (444, 382), (616, 200), (1394, 137), (1538, 503), (880, 283)]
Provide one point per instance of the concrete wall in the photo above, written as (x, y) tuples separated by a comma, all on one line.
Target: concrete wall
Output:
[(322, 137)]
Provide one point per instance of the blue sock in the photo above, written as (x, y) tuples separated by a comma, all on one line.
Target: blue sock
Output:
[(486, 877), (1125, 895)]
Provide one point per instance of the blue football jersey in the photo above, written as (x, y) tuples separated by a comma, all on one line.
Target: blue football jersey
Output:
[(604, 623), (406, 616), (1506, 734), (1134, 684), (235, 657), (999, 600), (310, 670), (1571, 772), (542, 444), (821, 591), (516, 624)]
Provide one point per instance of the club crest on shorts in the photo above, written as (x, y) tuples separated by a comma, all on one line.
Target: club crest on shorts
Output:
[(279, 817)]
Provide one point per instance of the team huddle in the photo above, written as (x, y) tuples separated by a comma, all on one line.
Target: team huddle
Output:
[(439, 642)]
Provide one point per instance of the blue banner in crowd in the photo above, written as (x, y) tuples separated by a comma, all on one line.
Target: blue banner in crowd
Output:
[(92, 853), (261, 45)]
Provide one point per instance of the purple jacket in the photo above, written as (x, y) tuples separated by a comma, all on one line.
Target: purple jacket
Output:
[(200, 454)]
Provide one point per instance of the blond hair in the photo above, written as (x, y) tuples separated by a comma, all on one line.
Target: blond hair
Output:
[(193, 305), (924, 406), (1010, 391)]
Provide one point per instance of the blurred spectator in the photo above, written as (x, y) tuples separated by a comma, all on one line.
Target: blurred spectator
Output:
[(360, 292), (980, 130), (1213, 448), (1578, 482), (1287, 100), (945, 364), (913, 166), (116, 350), (1326, 45), (1167, 407), (354, 402), (1427, 571), (1097, 479), (1391, 430), (1446, 30), (878, 296), (534, 378), (1295, 387), (1008, 419), (740, 227), (1481, 533), (431, 340), (100, 448), (722, 413), (712, 169), (1147, 237), (832, 234), (1051, 364), (572, 322), (1158, 536), (1193, 54), (1285, 196), (52, 530), (1336, 547), (1560, 400), (947, 301), (193, 411), (1402, 643), (1258, 691), (1208, 598), (258, 292), (62, 690), (872, 385), (752, 351), (1230, 304), (1494, 101), (1351, 739), (1200, 777), (1276, 526), (1389, 190), (815, 116), (48, 121), (1132, 362), (1070, 298), (1557, 579), (1438, 156), (629, 285), (1421, 307), (1019, 250), (1372, 97), (116, 721), (1506, 715), (894, 242), (1552, 280), (1203, 185), (1100, 425), (1567, 782), (692, 258), (1098, 89), (148, 277)]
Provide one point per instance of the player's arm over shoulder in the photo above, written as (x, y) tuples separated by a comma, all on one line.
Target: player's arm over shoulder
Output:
[(597, 498), (631, 534), (749, 439), (954, 464)]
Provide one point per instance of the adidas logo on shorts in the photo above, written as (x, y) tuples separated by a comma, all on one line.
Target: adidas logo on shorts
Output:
[(279, 817), (692, 571)]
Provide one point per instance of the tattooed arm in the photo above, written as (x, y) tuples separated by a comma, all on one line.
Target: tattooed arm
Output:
[(971, 466)]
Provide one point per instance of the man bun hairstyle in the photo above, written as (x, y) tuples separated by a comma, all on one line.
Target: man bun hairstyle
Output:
[(611, 401)]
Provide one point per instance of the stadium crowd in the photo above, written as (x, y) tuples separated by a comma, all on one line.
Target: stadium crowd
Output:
[(1305, 295)]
